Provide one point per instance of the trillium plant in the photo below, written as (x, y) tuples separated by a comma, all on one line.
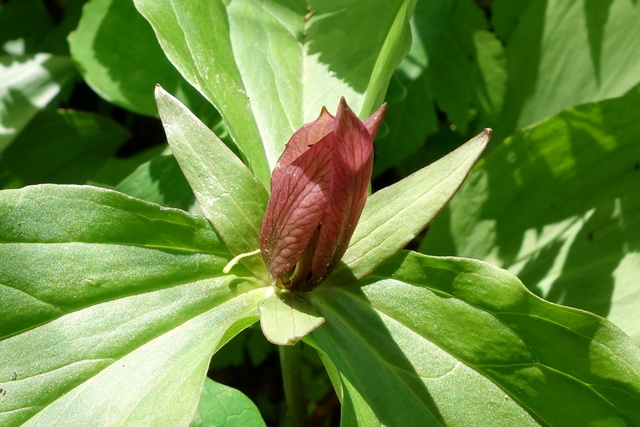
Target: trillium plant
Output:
[(114, 306)]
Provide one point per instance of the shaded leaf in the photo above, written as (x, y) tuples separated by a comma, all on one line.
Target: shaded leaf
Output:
[(28, 84), (160, 180), (557, 206), (563, 54), (467, 70), (60, 147), (121, 60), (23, 25), (430, 341)]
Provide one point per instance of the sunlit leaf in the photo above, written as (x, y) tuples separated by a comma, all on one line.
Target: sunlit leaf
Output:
[(557, 205), (430, 341), (394, 215), (269, 67), (229, 195), (28, 84), (109, 306), (224, 406), (120, 58)]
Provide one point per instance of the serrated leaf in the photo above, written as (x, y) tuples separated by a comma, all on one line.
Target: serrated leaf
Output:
[(394, 215), (430, 341), (286, 316), (228, 193), (108, 310), (269, 67)]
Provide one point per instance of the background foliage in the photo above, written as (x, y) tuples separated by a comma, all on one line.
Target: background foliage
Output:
[(554, 199)]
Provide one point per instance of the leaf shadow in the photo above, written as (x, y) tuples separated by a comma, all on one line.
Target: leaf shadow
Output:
[(340, 37), (361, 346), (604, 208)]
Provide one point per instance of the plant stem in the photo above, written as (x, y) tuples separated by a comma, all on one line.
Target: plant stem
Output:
[(291, 363)]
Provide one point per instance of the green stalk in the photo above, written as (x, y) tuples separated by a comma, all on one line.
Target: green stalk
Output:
[(291, 363)]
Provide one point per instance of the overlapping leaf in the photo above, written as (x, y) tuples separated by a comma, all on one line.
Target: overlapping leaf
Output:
[(229, 195), (81, 145), (120, 58), (28, 84), (557, 205), (222, 405), (394, 215), (562, 54), (269, 67), (429, 341), (108, 306)]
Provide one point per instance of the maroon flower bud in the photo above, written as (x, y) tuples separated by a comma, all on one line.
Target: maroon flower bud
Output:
[(318, 191)]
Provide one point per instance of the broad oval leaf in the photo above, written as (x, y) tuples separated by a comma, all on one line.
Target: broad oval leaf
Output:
[(429, 341), (224, 406), (562, 54), (81, 146), (113, 307), (286, 316)]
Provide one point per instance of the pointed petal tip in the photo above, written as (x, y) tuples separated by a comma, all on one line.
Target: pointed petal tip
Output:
[(488, 132), (343, 107)]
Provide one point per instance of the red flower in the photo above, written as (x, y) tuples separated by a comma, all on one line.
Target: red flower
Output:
[(318, 190)]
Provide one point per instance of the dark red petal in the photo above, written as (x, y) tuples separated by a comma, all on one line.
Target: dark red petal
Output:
[(303, 139), (299, 197), (352, 163), (373, 121)]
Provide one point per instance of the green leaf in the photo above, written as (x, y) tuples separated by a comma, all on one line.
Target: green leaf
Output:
[(430, 341), (160, 181), (467, 69), (112, 307), (67, 247), (270, 66), (563, 54), (286, 316), (28, 84), (229, 195), (410, 121), (557, 205), (394, 215), (60, 147), (354, 409), (23, 26), (116, 168), (121, 60), (224, 406)]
